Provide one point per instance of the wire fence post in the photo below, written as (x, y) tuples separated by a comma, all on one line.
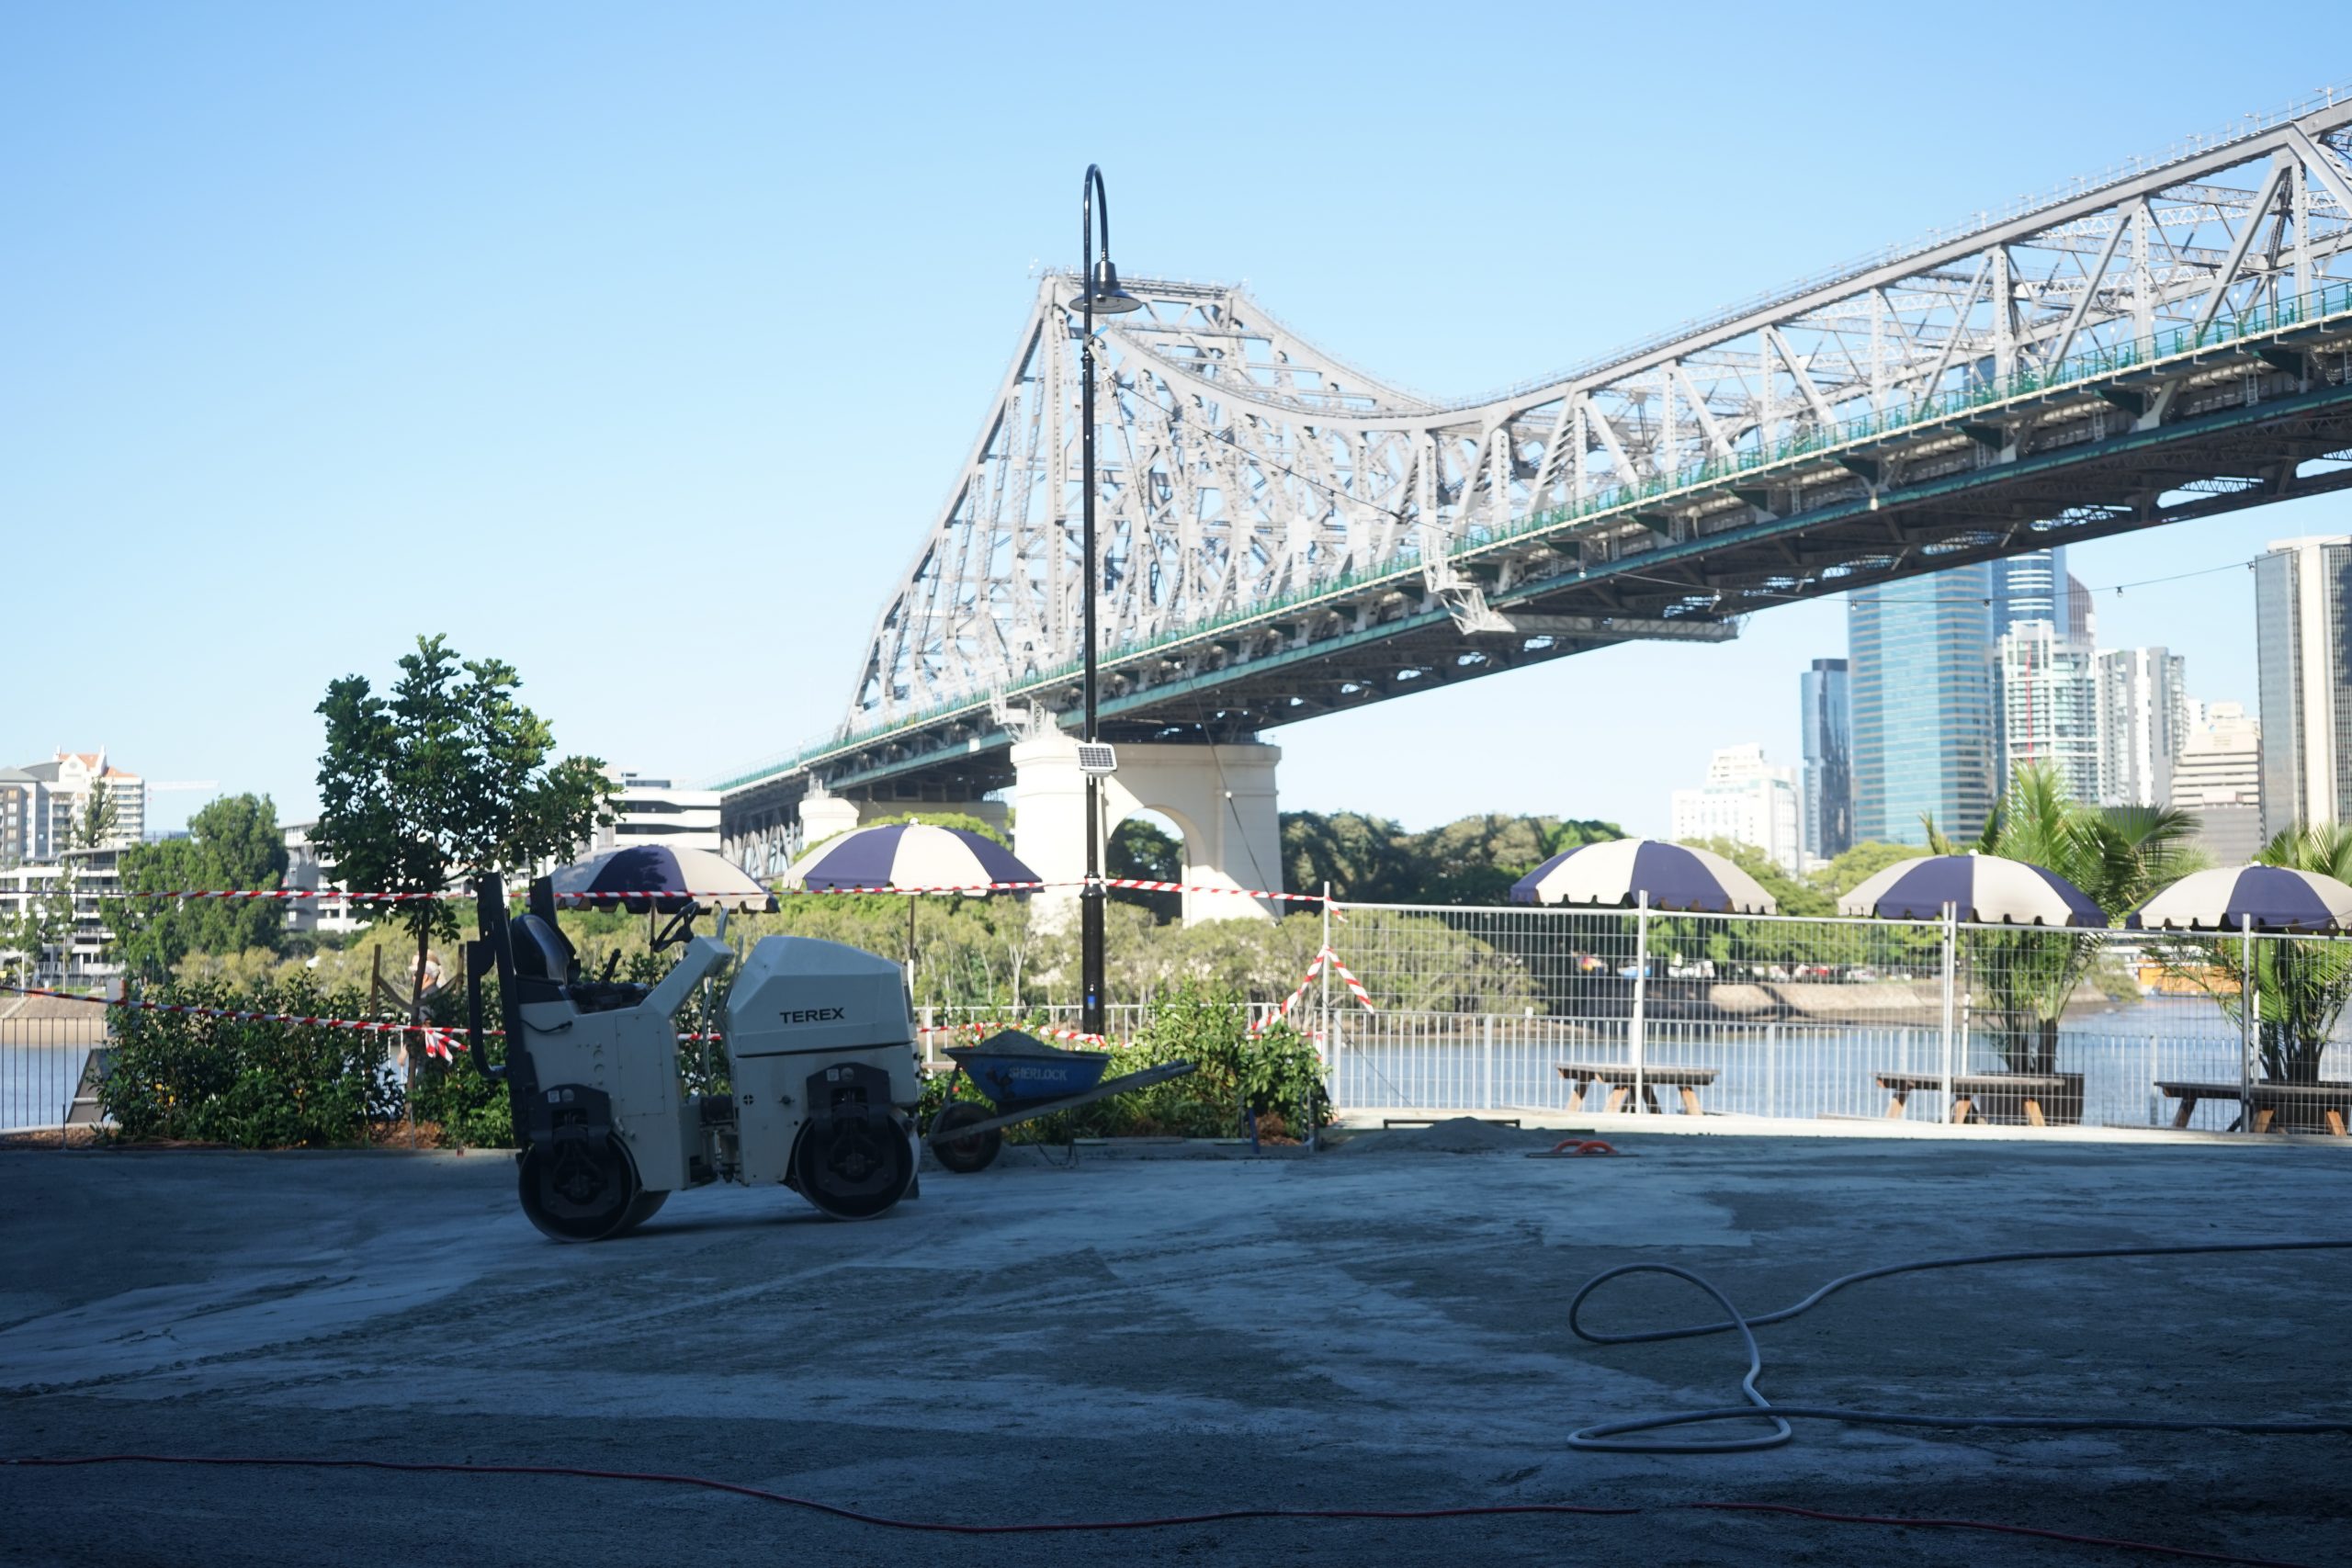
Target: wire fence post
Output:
[(1487, 1060), (1329, 1045), (1951, 953), (2246, 1001), (1772, 1068), (2156, 1098), (1641, 985)]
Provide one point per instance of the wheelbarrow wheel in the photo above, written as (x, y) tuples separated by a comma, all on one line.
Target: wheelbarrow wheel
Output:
[(971, 1152)]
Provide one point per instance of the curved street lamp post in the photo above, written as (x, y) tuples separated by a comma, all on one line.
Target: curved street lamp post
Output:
[(1098, 294)]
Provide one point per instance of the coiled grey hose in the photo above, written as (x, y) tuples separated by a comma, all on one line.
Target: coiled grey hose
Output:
[(1616, 1437)]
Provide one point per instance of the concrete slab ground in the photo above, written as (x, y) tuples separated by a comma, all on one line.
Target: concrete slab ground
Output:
[(1380, 1326)]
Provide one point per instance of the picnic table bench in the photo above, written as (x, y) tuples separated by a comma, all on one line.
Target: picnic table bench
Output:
[(2031, 1090), (2332, 1101), (1620, 1077)]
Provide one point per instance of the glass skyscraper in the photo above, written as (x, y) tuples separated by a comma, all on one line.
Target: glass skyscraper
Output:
[(1919, 658), (2035, 587), (1827, 719), (2302, 618)]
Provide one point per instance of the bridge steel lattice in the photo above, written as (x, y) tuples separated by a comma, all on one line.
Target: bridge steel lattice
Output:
[(1285, 536)]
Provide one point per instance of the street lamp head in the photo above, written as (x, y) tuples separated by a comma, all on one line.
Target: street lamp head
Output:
[(1108, 298)]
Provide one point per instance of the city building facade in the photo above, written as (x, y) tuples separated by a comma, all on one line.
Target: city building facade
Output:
[(654, 811), (2218, 777), (2048, 687), (2036, 586), (1827, 721), (327, 915), (2142, 722), (1919, 677), (56, 796), (1746, 800), (19, 794), (2302, 606)]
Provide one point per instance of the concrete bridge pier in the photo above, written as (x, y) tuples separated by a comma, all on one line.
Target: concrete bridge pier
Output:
[(1221, 799)]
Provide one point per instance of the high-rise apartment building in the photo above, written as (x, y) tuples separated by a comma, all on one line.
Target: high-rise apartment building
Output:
[(655, 812), (2302, 609), (2047, 685), (2143, 723), (2218, 776), (1827, 721), (19, 793), (1745, 800), (56, 797), (1919, 656), (2035, 586)]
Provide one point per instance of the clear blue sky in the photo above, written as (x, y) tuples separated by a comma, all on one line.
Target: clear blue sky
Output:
[(638, 346)]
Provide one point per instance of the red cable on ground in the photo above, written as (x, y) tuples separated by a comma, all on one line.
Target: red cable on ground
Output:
[(1225, 1515)]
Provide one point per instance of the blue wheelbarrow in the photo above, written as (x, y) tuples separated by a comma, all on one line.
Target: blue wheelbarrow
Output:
[(1023, 1077)]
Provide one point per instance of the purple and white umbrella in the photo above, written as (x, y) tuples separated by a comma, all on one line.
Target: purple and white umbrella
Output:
[(1676, 876), (910, 857), (652, 876), (2270, 897), (1984, 889)]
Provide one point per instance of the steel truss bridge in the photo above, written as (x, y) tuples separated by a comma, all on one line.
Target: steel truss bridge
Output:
[(1285, 536)]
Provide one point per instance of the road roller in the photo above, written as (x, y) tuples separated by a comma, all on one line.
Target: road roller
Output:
[(820, 1043)]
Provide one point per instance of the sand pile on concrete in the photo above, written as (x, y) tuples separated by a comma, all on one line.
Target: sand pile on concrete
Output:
[(1462, 1135)]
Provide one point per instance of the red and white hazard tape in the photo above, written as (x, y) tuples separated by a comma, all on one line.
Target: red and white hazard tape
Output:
[(1354, 985), (439, 1038), (974, 888), (1142, 886), (283, 893)]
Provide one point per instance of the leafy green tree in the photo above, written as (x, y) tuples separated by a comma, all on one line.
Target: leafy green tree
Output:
[(2300, 984), (1858, 865), (1790, 896), (46, 921), (233, 842), (1141, 850), (1474, 860), (1357, 856), (445, 776), (96, 824)]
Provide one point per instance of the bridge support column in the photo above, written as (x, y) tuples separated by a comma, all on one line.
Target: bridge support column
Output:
[(1221, 799)]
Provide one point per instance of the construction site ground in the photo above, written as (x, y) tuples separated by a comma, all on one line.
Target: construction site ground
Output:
[(1381, 1325)]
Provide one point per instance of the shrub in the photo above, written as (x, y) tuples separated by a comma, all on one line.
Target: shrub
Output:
[(249, 1084), (1274, 1075)]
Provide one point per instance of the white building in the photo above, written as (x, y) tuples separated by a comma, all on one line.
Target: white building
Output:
[(652, 811), (50, 799), (75, 953), (2046, 691), (2142, 720), (2303, 617), (1745, 800), (329, 916), (2218, 775)]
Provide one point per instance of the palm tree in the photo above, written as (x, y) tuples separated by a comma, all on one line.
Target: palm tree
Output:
[(2301, 984), (2117, 854)]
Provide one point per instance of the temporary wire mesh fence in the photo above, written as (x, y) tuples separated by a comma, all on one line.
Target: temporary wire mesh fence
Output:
[(1559, 1009), (47, 1055), (1783, 1017)]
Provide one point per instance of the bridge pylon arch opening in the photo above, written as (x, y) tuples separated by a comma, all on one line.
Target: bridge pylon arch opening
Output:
[(1221, 798)]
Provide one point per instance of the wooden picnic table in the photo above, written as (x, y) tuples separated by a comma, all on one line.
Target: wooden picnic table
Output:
[(2030, 1090), (1621, 1078), (2332, 1101)]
